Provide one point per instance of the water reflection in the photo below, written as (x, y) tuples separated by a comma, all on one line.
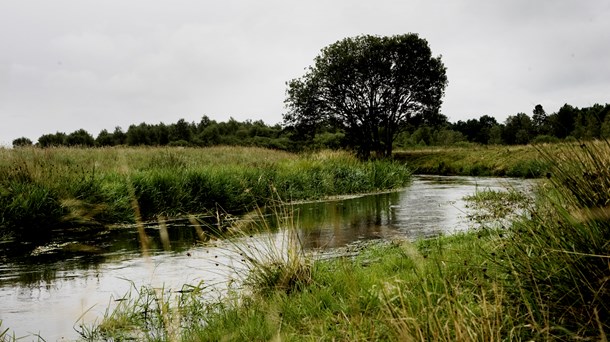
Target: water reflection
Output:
[(337, 223), (47, 291)]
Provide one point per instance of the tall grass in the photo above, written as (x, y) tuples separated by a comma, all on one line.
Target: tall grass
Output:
[(44, 189), (558, 261), (545, 278), (260, 265), (431, 290), (502, 161)]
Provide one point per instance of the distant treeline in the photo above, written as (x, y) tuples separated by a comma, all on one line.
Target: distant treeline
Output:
[(568, 123)]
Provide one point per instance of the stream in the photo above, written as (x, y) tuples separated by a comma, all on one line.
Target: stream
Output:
[(52, 292)]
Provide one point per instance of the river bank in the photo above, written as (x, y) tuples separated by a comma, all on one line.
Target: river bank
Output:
[(523, 161), (543, 277), (46, 193)]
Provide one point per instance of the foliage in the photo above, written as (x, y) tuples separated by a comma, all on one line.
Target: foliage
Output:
[(432, 129), (370, 87), (22, 142), (80, 138)]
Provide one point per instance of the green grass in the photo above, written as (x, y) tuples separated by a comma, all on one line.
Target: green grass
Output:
[(557, 259), (544, 278), (46, 189), (502, 161)]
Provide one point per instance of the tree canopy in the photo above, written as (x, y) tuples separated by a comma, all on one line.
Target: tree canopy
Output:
[(369, 87)]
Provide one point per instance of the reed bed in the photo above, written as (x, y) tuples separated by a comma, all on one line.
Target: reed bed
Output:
[(42, 190)]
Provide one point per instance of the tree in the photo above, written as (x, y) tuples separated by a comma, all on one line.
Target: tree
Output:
[(181, 130), (22, 142), (369, 87), (119, 136), (563, 122), (80, 138), (52, 140), (138, 135), (517, 129), (477, 130), (540, 120), (104, 138)]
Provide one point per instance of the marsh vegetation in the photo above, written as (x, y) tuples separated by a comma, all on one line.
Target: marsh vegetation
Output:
[(544, 277), (43, 191)]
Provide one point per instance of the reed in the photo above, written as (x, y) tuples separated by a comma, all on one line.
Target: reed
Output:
[(46, 189), (557, 260)]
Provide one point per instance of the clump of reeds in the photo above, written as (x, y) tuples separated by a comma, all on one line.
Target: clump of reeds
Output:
[(496, 205), (149, 314), (276, 260), (557, 261)]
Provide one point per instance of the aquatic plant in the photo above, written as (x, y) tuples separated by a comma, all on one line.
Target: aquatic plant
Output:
[(149, 314)]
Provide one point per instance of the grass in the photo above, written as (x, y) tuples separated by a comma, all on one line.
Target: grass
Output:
[(502, 161), (544, 278), (398, 290), (558, 258), (42, 190)]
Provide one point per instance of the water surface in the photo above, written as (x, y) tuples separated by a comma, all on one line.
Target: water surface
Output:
[(55, 289)]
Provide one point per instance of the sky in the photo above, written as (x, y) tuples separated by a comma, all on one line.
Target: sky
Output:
[(98, 64)]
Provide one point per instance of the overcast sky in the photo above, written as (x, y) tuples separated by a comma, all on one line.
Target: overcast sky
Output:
[(97, 64)]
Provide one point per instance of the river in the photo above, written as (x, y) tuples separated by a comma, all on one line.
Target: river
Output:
[(51, 292)]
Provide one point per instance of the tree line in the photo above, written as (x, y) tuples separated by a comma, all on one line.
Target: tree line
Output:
[(568, 122), (206, 132)]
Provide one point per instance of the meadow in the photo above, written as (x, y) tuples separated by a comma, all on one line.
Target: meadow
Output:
[(542, 278), (522, 161), (46, 190)]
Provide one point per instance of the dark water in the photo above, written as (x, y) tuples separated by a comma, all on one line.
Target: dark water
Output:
[(55, 289)]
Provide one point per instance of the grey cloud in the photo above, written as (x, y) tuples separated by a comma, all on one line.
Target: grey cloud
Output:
[(97, 64)]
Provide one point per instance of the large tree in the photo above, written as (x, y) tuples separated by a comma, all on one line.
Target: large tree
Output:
[(370, 87)]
